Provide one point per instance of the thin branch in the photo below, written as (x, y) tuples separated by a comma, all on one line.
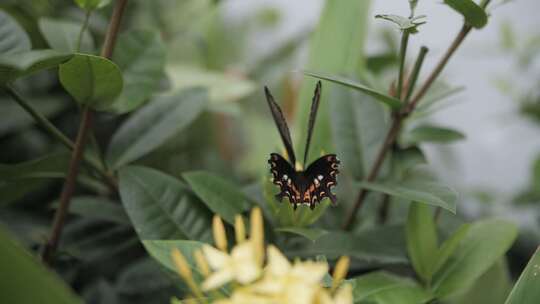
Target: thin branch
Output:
[(415, 72), (402, 56), (76, 156)]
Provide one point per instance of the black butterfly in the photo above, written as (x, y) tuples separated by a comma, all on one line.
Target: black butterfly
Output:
[(307, 187)]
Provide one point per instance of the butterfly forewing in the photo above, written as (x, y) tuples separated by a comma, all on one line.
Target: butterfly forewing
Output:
[(283, 175)]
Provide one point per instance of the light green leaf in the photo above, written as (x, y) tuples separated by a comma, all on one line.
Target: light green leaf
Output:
[(485, 243), (154, 124), (95, 207), (384, 288), (219, 194), (92, 4), (405, 24), (13, 39), (13, 66), (390, 101), (161, 207), (422, 243), (92, 80), (161, 251), (433, 134), (426, 192), (21, 272), (526, 290), (449, 246), (140, 54), (310, 233), (50, 166), (63, 35), (474, 15)]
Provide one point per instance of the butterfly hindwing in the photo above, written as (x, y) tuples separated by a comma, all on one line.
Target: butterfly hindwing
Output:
[(283, 175), (321, 175)]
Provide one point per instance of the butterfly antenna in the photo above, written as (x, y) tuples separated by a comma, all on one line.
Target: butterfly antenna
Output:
[(281, 125), (312, 115)]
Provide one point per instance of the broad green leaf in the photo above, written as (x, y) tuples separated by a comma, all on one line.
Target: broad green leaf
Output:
[(384, 288), (485, 243), (90, 5), (426, 192), (15, 119), (526, 290), (161, 251), (154, 124), (141, 278), (50, 166), (474, 15), (13, 39), (13, 191), (310, 233), (422, 243), (25, 280), (13, 66), (404, 23), (433, 134), (63, 35), (95, 207), (161, 207), (140, 54), (449, 246), (91, 80), (390, 101), (336, 47), (219, 194)]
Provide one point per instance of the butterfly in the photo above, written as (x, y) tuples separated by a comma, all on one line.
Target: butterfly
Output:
[(309, 186)]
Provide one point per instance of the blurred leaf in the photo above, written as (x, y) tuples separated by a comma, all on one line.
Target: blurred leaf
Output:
[(471, 258), (63, 35), (390, 101), (100, 292), (13, 66), (154, 124), (425, 192), (526, 290), (219, 194), (474, 15), (50, 166), (91, 80), (13, 39), (422, 240), (336, 47), (430, 133), (140, 54), (142, 277), (161, 251), (310, 233), (90, 5), (384, 288), (95, 207), (21, 271), (449, 246), (439, 92), (160, 206), (15, 190), (14, 118), (405, 24)]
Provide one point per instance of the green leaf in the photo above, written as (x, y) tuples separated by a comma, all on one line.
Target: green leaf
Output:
[(50, 166), (422, 240), (13, 39), (390, 101), (485, 243), (92, 80), (22, 272), (141, 278), (92, 4), (384, 288), (154, 124), (14, 190), (13, 66), (95, 207), (449, 246), (63, 35), (433, 134), (219, 194), (140, 54), (426, 192), (161, 207), (310, 233), (404, 23), (526, 290), (474, 15), (161, 251)]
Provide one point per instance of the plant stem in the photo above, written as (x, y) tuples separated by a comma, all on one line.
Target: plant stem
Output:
[(415, 72), (398, 119), (402, 56), (76, 156), (83, 29)]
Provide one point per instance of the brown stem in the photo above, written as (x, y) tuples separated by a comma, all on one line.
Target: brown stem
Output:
[(77, 154), (398, 119)]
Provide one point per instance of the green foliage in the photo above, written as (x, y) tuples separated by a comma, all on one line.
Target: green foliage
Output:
[(92, 4), (526, 289), (422, 240), (474, 15), (13, 39), (309, 233), (430, 133), (13, 66), (385, 288), (63, 36)]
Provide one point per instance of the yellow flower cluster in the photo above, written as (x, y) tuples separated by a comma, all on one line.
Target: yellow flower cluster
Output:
[(256, 275)]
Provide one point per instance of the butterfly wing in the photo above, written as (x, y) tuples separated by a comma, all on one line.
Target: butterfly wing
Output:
[(284, 176), (281, 124), (321, 176), (312, 116)]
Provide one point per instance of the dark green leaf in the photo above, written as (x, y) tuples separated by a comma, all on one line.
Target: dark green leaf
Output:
[(63, 35), (434, 134), (13, 66), (220, 195), (141, 278), (96, 207), (390, 101), (161, 207), (385, 288), (154, 124), (13, 39), (161, 251), (25, 280), (422, 243), (92, 80), (50, 166), (14, 190), (526, 290), (140, 55), (310, 233), (90, 5), (485, 243), (474, 15), (426, 192)]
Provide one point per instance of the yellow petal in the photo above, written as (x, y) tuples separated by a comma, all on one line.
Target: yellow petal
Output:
[(239, 229), (182, 266), (217, 259), (340, 271), (278, 264), (257, 234), (220, 237), (344, 295), (217, 279), (303, 294), (202, 264), (246, 268), (311, 272)]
